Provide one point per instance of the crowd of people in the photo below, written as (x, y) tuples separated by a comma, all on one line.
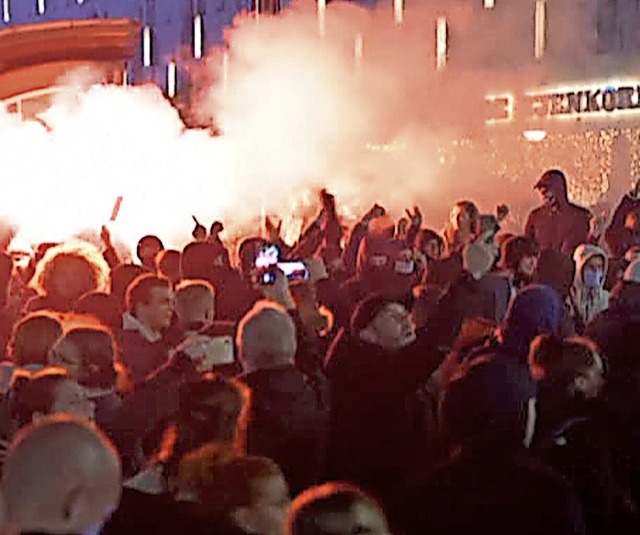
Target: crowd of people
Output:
[(403, 380)]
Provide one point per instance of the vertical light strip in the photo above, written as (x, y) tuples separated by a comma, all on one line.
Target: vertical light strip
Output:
[(489, 4), (197, 36), (398, 12), (41, 7), (125, 76), (147, 53), (358, 50), (225, 70), (6, 11), (540, 38), (258, 9), (172, 79), (442, 44), (322, 17)]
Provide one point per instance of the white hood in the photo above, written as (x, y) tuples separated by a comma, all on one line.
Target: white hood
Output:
[(588, 303)]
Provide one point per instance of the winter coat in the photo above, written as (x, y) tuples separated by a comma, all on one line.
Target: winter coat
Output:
[(607, 328), (619, 238), (561, 227), (486, 490), (380, 421), (289, 422)]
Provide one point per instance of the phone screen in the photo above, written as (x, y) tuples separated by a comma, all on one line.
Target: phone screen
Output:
[(295, 271), (267, 256), (210, 352)]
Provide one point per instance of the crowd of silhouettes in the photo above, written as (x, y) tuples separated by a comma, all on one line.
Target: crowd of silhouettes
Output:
[(404, 380)]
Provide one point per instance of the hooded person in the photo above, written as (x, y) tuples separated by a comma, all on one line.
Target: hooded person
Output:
[(536, 310), (623, 312), (624, 230), (489, 483), (558, 224), (588, 296), (384, 266)]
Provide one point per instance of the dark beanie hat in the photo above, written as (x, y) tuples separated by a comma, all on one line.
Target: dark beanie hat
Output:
[(515, 249), (487, 401), (367, 310)]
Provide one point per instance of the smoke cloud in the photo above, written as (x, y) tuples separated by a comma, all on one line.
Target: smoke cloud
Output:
[(298, 112)]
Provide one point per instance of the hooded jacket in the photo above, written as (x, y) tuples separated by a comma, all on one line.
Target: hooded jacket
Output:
[(620, 238), (608, 327), (561, 227), (588, 302)]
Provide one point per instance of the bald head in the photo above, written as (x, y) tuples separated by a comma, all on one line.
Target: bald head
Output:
[(266, 337), (61, 476)]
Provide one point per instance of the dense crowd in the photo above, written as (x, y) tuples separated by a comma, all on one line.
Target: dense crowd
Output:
[(384, 378)]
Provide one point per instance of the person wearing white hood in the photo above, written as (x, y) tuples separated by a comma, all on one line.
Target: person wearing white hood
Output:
[(588, 296)]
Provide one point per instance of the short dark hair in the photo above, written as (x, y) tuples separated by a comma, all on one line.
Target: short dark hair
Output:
[(146, 239), (104, 307), (139, 291), (168, 262), (323, 500), (121, 278), (99, 355), (35, 394), (514, 249)]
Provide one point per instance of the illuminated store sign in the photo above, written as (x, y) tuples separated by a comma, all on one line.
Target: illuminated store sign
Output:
[(573, 103)]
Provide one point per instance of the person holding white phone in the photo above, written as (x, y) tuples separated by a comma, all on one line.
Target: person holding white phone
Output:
[(208, 343)]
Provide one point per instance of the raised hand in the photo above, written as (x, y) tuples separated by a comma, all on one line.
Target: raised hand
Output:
[(502, 211), (272, 230), (415, 217), (105, 235), (598, 224)]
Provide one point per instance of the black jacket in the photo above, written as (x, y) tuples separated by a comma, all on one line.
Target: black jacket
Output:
[(490, 491), (618, 237), (289, 422), (561, 227), (379, 423), (608, 328)]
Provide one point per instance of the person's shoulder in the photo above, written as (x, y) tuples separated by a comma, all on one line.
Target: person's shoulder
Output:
[(538, 210), (580, 210)]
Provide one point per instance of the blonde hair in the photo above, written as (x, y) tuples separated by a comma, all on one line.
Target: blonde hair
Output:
[(47, 268), (193, 299)]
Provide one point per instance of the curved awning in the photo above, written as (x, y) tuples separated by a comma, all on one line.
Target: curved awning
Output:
[(35, 56)]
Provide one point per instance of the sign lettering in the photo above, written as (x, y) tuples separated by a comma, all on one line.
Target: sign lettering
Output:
[(575, 103)]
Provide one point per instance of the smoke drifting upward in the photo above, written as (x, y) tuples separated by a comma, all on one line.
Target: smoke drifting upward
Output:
[(298, 112)]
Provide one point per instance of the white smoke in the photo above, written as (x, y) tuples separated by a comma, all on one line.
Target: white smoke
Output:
[(298, 112)]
